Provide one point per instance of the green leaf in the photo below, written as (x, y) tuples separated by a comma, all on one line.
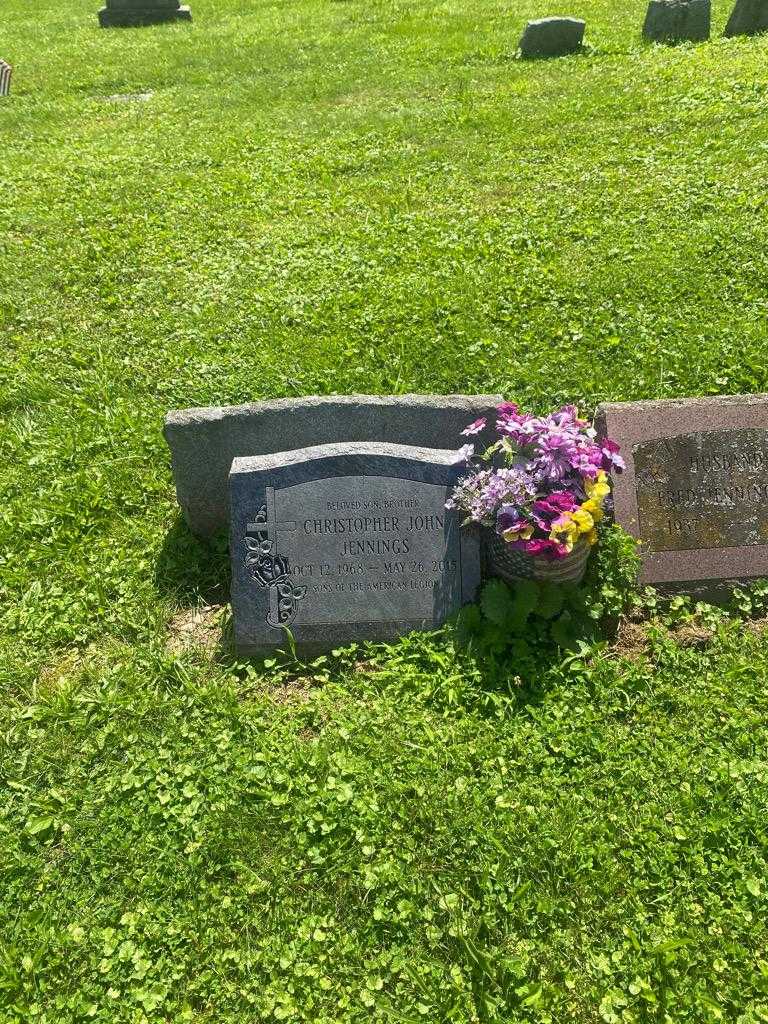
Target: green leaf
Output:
[(520, 649), (526, 597), (551, 600), (572, 595), (563, 632), (469, 623), (670, 946), (36, 826), (496, 602)]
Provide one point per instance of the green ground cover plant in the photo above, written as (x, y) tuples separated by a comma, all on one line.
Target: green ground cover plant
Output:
[(338, 196)]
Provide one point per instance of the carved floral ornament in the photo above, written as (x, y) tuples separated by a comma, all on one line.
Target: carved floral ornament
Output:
[(271, 571)]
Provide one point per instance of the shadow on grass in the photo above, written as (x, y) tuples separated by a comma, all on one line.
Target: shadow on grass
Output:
[(193, 571), (523, 681), (522, 671)]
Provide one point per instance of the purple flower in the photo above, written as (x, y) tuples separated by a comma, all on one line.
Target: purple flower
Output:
[(538, 546), (556, 456), (477, 427), (563, 501), (507, 409), (546, 510), (538, 472), (549, 548), (509, 518), (611, 459)]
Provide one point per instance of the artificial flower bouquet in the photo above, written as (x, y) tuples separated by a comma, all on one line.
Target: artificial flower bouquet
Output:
[(539, 490)]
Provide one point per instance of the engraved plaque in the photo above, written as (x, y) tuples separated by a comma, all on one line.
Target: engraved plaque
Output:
[(708, 489), (695, 491), (340, 543)]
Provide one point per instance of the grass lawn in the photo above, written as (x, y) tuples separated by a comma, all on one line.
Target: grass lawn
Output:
[(340, 196)]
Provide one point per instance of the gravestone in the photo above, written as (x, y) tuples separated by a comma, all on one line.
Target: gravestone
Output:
[(552, 37), (203, 442), (344, 543), (676, 21), (5, 78), (123, 13), (695, 491), (748, 17)]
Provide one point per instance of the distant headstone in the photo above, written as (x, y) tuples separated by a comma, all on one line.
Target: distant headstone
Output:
[(676, 21), (344, 543), (122, 13), (5, 78), (748, 18), (552, 37), (695, 491), (203, 442)]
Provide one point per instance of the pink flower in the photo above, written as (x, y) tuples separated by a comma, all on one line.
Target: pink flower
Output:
[(507, 409), (546, 510), (550, 548), (475, 428), (539, 547), (610, 456), (562, 500), (535, 477)]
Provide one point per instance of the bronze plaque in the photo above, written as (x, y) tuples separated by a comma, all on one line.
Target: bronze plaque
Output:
[(707, 489)]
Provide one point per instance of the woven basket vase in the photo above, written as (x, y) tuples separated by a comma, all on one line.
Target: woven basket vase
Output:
[(503, 561)]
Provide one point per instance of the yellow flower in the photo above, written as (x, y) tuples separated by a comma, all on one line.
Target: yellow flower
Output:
[(593, 507), (519, 533), (565, 530), (599, 488), (592, 537), (584, 521)]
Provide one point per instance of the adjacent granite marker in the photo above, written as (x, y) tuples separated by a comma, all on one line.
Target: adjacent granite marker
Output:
[(552, 37), (347, 542), (748, 17), (676, 21), (123, 13), (203, 442), (695, 491)]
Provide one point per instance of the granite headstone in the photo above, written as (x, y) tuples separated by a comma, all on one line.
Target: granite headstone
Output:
[(695, 491), (123, 13), (5, 78), (552, 37), (347, 542), (204, 441), (748, 17), (677, 21)]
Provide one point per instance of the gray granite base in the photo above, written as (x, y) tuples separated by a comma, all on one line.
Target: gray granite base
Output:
[(204, 441)]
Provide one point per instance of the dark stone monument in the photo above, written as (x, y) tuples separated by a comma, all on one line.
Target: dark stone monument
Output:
[(122, 13), (5, 78), (552, 37), (347, 542), (748, 17), (677, 21), (203, 442), (695, 491)]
